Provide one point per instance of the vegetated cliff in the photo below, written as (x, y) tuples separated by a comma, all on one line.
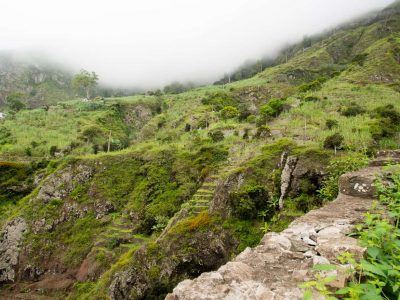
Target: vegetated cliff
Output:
[(193, 179), (37, 81)]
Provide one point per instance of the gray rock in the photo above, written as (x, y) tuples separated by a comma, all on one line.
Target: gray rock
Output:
[(286, 178), (10, 242)]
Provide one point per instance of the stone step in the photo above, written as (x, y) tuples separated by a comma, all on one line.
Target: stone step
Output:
[(202, 196), (204, 191)]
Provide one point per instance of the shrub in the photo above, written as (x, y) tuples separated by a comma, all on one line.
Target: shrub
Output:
[(272, 109), (387, 112), (353, 109), (263, 131), (249, 201), (95, 148), (311, 99), (383, 128), (246, 134), (28, 151), (14, 101), (216, 135), (251, 119), (335, 169), (219, 100), (53, 150), (330, 123), (360, 59), (333, 141), (91, 133), (313, 85), (6, 136), (244, 114), (229, 112)]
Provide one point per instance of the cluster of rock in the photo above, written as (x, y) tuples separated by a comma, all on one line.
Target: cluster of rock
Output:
[(282, 261)]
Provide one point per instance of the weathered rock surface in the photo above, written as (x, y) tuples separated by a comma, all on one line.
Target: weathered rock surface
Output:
[(62, 182), (295, 171), (10, 242), (275, 268), (359, 183)]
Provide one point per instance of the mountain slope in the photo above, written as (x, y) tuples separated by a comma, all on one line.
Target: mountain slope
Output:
[(39, 82), (126, 197)]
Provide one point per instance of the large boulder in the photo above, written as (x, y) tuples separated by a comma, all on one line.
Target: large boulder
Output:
[(359, 183)]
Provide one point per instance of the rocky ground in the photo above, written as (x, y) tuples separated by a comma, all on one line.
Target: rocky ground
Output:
[(276, 268)]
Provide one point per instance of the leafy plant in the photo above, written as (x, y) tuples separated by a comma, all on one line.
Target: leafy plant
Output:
[(334, 141), (335, 169), (330, 123), (229, 112)]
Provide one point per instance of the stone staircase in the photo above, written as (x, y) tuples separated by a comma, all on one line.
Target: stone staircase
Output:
[(275, 269), (120, 232), (200, 201)]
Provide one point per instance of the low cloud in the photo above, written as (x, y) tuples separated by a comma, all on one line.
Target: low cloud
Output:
[(153, 42)]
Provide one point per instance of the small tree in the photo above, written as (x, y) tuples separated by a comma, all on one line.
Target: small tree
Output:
[(330, 123), (86, 81), (14, 101), (334, 141)]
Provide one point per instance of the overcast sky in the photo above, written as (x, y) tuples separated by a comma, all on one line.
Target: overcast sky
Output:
[(152, 42)]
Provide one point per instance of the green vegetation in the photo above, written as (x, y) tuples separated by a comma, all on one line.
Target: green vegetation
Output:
[(85, 81), (145, 183), (376, 276)]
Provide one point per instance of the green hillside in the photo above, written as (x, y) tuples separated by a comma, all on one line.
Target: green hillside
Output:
[(123, 198)]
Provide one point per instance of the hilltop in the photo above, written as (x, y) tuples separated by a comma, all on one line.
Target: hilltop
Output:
[(125, 197)]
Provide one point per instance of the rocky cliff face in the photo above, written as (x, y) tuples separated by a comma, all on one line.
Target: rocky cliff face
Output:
[(10, 243), (36, 80), (275, 268)]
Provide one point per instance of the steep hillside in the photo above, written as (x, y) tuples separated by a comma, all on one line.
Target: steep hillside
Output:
[(37, 81), (123, 198)]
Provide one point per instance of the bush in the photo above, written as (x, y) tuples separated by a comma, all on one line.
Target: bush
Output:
[(331, 123), (351, 110), (216, 135), (229, 112), (219, 100), (91, 133), (14, 101), (313, 85), (95, 148), (335, 169), (263, 131), (53, 150), (28, 151), (387, 112), (272, 109), (6, 136), (311, 99), (249, 201), (383, 128), (360, 59), (333, 141)]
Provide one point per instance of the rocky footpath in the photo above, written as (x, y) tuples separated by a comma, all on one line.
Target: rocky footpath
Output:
[(282, 261)]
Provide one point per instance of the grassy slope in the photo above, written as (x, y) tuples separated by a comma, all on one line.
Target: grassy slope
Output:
[(132, 179)]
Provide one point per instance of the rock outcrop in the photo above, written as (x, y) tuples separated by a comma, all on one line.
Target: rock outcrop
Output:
[(10, 242), (282, 261), (295, 171), (62, 182)]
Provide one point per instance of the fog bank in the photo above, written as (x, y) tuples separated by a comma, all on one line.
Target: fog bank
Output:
[(153, 42)]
